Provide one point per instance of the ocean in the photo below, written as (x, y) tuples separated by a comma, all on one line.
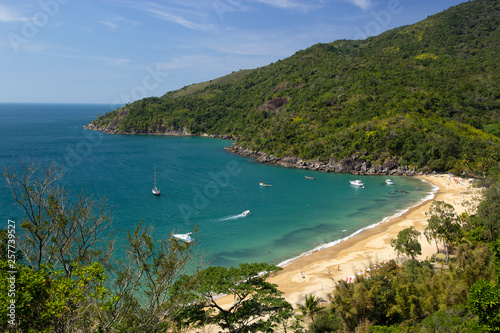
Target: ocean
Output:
[(201, 185)]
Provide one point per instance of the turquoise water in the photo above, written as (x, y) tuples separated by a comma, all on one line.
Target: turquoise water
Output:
[(201, 184)]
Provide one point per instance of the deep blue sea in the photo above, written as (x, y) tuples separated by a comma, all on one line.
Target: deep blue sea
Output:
[(201, 184)]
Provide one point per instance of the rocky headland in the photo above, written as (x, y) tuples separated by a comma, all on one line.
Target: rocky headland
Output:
[(356, 164)]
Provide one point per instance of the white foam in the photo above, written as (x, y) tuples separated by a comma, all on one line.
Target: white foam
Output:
[(232, 217), (430, 196)]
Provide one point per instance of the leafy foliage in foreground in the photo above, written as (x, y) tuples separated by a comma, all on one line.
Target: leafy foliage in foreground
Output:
[(427, 94), (62, 276), (257, 304)]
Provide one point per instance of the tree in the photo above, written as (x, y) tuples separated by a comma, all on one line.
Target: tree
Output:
[(145, 299), (484, 298), (442, 224), (489, 211), (68, 279), (407, 242), (484, 301), (48, 301), (311, 308), (65, 244), (327, 321), (58, 231), (455, 319), (257, 304)]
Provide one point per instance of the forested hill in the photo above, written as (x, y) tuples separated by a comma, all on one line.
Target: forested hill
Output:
[(425, 95)]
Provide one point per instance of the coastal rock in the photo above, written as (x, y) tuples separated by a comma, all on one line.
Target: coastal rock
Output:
[(389, 165), (375, 170), (94, 127), (263, 159), (395, 172), (290, 160), (355, 164)]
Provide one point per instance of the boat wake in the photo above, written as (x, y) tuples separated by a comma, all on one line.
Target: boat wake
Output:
[(235, 217)]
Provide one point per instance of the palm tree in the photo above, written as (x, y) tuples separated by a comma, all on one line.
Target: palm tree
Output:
[(311, 308)]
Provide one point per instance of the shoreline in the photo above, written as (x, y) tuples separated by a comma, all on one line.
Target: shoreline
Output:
[(356, 164), (400, 213), (317, 271)]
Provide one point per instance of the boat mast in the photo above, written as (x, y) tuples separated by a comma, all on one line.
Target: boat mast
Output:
[(154, 178)]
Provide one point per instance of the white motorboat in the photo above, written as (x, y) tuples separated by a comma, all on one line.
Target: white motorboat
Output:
[(389, 182), (184, 237), (357, 182), (245, 213)]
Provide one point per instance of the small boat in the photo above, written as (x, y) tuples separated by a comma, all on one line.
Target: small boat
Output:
[(389, 182), (264, 184), (156, 191), (307, 177), (357, 182), (184, 237), (245, 213)]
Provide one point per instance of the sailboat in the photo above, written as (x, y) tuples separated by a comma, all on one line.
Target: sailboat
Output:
[(156, 191)]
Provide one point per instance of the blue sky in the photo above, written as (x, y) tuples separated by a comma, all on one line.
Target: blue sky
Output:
[(113, 52)]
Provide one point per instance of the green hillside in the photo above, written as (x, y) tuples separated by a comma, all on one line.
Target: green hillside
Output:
[(425, 95)]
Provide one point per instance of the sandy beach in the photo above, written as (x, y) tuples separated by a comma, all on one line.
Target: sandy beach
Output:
[(318, 272)]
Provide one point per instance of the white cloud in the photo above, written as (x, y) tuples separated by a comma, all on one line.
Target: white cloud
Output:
[(363, 4), (112, 61), (183, 62), (180, 20), (111, 25), (286, 4), (7, 15), (86, 29), (186, 15), (116, 22), (108, 60)]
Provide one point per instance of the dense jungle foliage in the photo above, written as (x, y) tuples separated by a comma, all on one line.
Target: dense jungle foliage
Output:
[(427, 94)]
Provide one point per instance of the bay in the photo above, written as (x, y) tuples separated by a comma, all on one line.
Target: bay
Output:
[(201, 185)]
